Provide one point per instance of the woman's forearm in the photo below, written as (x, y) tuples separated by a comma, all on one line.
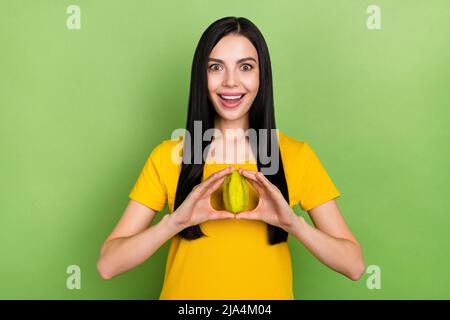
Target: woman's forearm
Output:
[(122, 254), (341, 255)]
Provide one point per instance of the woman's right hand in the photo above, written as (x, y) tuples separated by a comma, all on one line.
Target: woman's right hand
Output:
[(196, 208)]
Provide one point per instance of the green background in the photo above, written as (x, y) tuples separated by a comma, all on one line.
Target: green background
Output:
[(82, 109)]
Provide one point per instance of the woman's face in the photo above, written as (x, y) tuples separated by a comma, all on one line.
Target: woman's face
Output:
[(233, 72)]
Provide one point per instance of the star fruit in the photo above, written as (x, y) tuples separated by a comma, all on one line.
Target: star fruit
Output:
[(235, 192)]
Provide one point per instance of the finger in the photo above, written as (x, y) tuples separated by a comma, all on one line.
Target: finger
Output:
[(264, 181), (253, 180), (221, 214), (248, 215), (257, 185), (215, 186), (202, 187), (248, 173)]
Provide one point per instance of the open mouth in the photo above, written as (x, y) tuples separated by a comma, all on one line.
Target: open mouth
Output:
[(231, 101), (232, 98)]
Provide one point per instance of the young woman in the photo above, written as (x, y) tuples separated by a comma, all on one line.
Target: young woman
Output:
[(216, 254)]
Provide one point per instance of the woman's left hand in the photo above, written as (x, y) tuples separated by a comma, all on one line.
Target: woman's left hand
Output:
[(272, 207)]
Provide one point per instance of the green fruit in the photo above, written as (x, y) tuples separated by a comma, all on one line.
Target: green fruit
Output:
[(235, 192)]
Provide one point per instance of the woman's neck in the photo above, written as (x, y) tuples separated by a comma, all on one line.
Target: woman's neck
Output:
[(230, 128), (232, 145)]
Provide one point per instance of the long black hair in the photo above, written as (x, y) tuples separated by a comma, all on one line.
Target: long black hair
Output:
[(261, 115)]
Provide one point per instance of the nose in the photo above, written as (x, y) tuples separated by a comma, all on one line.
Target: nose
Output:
[(230, 79)]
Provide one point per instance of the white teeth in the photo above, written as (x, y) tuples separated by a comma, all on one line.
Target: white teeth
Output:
[(231, 97)]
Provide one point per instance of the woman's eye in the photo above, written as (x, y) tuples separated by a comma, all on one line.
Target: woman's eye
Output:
[(249, 67), (212, 67), (217, 67)]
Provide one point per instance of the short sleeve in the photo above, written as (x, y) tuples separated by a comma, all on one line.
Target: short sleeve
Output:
[(149, 188), (315, 186)]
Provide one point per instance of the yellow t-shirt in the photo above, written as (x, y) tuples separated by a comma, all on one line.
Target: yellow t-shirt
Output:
[(235, 260)]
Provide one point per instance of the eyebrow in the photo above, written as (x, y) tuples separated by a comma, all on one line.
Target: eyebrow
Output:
[(240, 60)]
